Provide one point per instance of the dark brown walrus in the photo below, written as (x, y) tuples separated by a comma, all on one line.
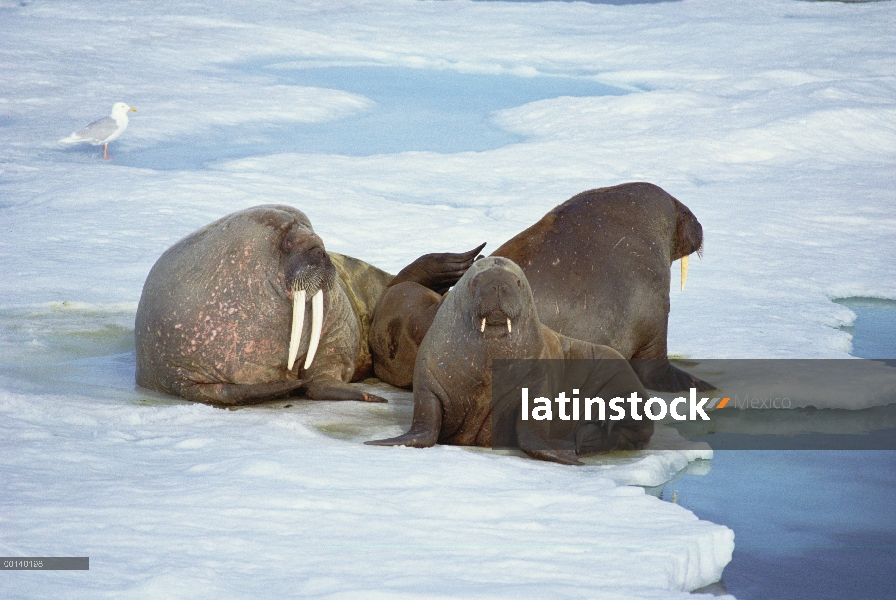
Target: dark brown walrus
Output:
[(598, 265), (402, 318), (490, 314), (222, 316)]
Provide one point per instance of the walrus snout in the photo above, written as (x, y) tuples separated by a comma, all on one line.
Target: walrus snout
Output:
[(497, 299), (688, 238), (307, 265), (309, 271)]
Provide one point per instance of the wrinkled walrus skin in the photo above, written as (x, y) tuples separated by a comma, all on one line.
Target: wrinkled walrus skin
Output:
[(214, 321), (490, 314), (599, 267)]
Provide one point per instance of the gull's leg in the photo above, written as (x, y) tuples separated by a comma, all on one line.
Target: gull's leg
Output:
[(106, 156)]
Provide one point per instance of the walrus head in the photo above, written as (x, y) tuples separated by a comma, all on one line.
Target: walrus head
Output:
[(688, 238), (309, 273), (497, 291)]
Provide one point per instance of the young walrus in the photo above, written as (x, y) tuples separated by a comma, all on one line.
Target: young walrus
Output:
[(490, 314)]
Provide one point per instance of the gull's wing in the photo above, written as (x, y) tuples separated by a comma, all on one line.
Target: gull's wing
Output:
[(96, 132)]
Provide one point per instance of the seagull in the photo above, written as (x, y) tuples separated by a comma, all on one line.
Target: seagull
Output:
[(105, 130)]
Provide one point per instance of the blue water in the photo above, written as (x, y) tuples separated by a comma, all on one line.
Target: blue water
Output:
[(807, 524), (415, 110), (874, 330)]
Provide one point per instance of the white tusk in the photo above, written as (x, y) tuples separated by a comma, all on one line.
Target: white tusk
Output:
[(298, 321), (684, 270), (482, 329), (317, 323), (509, 328)]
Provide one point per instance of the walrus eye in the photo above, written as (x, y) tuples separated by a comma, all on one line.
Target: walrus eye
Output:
[(287, 244)]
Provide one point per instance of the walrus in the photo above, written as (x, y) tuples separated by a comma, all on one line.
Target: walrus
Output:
[(406, 310), (222, 315), (491, 314), (598, 266)]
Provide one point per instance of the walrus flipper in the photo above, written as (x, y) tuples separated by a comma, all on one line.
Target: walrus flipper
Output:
[(659, 374), (610, 375), (564, 457), (232, 394), (533, 444), (327, 388), (438, 271), (425, 428)]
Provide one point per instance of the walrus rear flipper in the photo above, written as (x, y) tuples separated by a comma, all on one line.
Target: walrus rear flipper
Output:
[(530, 438), (595, 437), (659, 374), (230, 394), (564, 457), (438, 271), (632, 435), (425, 428)]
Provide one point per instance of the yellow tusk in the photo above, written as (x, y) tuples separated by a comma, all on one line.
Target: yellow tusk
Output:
[(684, 271)]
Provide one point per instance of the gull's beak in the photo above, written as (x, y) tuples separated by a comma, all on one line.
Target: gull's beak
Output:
[(132, 109)]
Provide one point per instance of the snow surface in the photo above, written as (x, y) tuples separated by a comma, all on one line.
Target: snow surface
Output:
[(774, 121)]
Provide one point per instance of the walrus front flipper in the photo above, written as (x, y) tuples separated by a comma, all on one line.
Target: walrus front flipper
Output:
[(532, 443), (531, 438), (659, 374), (327, 388), (231, 394), (438, 271), (425, 428)]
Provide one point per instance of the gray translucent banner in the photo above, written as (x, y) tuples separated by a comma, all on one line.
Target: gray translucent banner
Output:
[(45, 563), (761, 404)]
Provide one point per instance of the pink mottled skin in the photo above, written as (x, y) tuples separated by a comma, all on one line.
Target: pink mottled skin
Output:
[(213, 323), (214, 318)]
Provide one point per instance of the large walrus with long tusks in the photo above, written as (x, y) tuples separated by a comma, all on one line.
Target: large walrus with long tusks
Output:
[(599, 268), (489, 315), (222, 318)]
